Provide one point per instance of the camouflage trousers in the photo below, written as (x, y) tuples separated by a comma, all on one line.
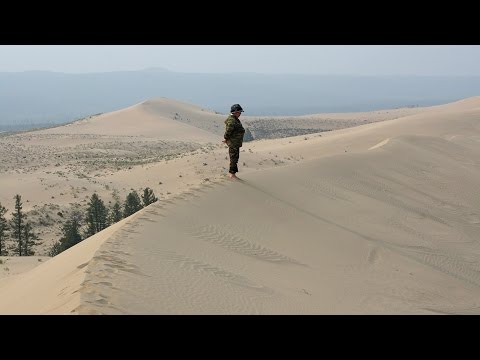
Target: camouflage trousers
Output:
[(234, 154)]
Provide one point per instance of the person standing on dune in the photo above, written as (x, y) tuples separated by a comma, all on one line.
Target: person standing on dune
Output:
[(233, 137)]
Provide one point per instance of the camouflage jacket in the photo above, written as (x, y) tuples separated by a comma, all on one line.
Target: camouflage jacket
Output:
[(234, 132)]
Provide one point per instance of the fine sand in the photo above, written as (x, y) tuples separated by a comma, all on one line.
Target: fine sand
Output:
[(369, 217)]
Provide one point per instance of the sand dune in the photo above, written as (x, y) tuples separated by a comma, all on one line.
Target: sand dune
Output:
[(163, 144), (144, 120), (381, 218)]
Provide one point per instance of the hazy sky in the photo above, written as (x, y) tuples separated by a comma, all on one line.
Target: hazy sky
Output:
[(268, 59)]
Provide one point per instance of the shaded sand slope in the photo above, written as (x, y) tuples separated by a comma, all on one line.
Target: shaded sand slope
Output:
[(369, 233), (55, 286), (388, 230), (380, 219)]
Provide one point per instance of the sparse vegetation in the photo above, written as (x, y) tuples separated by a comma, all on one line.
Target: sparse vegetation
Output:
[(3, 230), (22, 231), (148, 197), (132, 204), (97, 216), (70, 234), (17, 225), (30, 239), (116, 210)]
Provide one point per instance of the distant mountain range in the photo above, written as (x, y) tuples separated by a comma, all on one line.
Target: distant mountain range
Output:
[(35, 98)]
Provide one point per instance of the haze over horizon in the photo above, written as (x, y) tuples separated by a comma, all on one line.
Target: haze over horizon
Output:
[(363, 60), (41, 85)]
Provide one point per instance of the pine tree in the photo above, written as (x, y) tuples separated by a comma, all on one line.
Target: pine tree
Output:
[(17, 225), (97, 216), (116, 212), (55, 249), (148, 197), (29, 240), (71, 232), (3, 231), (132, 204)]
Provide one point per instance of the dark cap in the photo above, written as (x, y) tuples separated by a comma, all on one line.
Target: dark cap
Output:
[(236, 107)]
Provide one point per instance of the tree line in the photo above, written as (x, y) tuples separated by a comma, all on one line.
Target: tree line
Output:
[(18, 238)]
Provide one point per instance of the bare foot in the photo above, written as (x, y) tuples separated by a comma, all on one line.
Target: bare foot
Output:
[(232, 176)]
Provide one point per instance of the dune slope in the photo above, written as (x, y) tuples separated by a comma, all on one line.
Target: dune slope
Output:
[(379, 219)]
